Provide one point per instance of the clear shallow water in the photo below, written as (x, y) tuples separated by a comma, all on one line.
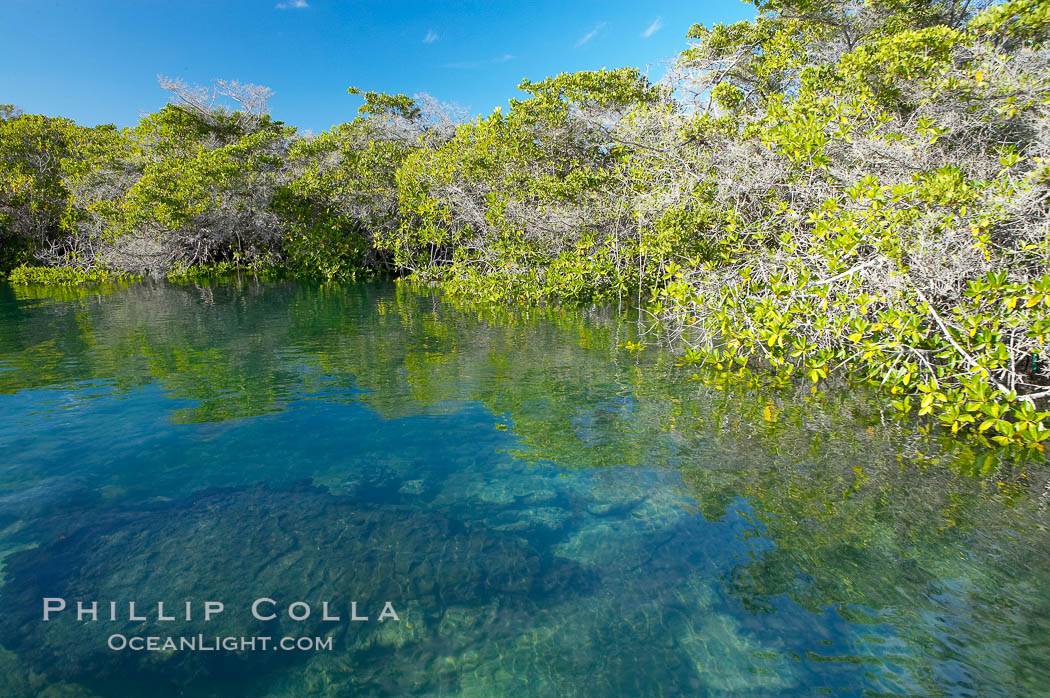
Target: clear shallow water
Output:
[(548, 514)]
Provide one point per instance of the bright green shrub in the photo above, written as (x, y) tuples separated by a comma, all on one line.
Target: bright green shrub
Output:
[(63, 276)]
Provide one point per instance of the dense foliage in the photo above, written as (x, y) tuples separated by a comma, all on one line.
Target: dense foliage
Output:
[(853, 188)]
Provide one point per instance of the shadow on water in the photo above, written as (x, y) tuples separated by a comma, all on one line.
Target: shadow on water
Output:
[(549, 513)]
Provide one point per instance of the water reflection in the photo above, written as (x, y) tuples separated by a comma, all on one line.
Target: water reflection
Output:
[(556, 516)]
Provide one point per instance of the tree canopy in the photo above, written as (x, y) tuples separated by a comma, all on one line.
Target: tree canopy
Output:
[(837, 188)]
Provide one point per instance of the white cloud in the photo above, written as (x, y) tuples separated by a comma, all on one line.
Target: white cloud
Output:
[(293, 5), (656, 26), (590, 35), (431, 37), (469, 65)]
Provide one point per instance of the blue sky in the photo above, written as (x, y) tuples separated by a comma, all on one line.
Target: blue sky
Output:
[(97, 61)]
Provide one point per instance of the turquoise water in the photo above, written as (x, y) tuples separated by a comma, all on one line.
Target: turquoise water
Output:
[(547, 513)]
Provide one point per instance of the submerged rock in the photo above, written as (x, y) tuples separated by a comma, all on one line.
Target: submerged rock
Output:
[(298, 544)]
